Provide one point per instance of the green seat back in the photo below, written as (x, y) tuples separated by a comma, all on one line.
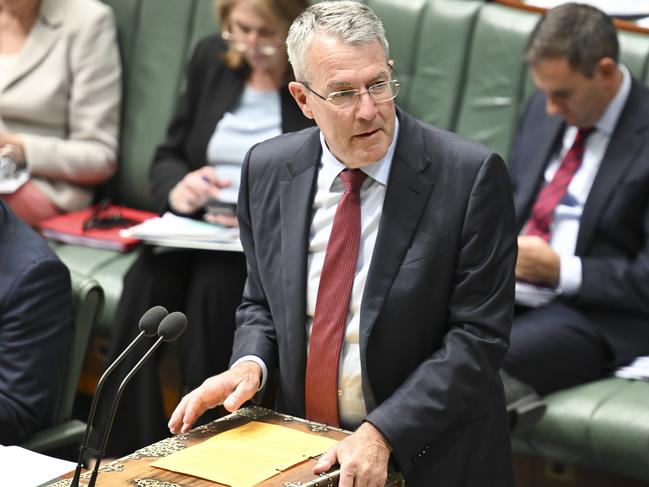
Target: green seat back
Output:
[(634, 52), (438, 74), (87, 303), (402, 22), (496, 76), (155, 37), (204, 23)]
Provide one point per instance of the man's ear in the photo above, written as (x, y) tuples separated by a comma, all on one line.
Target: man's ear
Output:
[(298, 92), (607, 68)]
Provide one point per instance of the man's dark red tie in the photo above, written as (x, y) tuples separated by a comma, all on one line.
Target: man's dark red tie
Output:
[(553, 192), (332, 303)]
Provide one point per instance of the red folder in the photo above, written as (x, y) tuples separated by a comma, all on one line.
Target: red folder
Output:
[(68, 228)]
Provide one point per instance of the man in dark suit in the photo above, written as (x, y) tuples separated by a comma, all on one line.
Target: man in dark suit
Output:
[(35, 328), (580, 172), (380, 258)]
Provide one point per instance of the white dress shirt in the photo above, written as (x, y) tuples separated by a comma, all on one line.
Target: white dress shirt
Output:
[(351, 405), (564, 227), (329, 190)]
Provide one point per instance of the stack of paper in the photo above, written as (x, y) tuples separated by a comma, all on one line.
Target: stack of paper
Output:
[(171, 230), (25, 468), (247, 455), (638, 369)]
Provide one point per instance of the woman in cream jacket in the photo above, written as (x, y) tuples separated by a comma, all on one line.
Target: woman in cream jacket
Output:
[(60, 92)]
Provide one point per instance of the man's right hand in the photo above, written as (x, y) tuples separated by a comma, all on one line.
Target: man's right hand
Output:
[(192, 192), (231, 388)]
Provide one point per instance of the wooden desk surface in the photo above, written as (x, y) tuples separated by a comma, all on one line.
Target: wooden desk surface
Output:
[(136, 470)]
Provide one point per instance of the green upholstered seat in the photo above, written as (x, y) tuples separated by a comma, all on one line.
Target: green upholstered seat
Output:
[(157, 32), (495, 77), (634, 52), (402, 22), (156, 37), (438, 75), (603, 424), (87, 301)]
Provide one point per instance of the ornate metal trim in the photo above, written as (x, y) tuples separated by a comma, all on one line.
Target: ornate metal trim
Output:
[(254, 412), (162, 448), (154, 483)]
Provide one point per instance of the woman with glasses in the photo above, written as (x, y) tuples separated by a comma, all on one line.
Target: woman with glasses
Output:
[(236, 96)]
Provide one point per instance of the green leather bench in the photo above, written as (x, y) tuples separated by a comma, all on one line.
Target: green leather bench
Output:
[(461, 66), (156, 38)]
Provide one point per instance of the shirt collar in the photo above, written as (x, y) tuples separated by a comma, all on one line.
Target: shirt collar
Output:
[(379, 171), (608, 120)]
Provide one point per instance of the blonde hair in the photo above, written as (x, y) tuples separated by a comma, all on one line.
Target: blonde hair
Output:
[(280, 12)]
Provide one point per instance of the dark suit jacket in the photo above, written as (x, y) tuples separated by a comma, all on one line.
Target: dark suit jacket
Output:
[(212, 90), (613, 240), (35, 328), (436, 309)]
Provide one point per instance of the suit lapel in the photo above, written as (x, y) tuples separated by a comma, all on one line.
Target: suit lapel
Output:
[(40, 40), (296, 194), (548, 131), (627, 139), (409, 187)]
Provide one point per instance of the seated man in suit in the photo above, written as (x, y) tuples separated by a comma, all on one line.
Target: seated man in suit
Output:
[(381, 256), (35, 328), (580, 172)]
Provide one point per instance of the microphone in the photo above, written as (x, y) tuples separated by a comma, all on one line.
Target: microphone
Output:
[(148, 326), (171, 327)]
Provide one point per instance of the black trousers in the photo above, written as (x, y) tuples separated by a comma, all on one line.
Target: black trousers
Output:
[(556, 346), (207, 287)]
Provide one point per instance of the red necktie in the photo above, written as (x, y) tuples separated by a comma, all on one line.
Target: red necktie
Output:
[(553, 192), (332, 303)]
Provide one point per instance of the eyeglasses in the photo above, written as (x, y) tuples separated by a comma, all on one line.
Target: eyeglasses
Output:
[(104, 216), (267, 48), (379, 92)]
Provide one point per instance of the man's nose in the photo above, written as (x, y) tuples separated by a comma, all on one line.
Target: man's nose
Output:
[(366, 108), (551, 107)]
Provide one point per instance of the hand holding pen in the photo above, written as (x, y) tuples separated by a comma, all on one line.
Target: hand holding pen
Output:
[(192, 192)]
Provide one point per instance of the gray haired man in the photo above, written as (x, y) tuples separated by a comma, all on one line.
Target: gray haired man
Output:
[(381, 258)]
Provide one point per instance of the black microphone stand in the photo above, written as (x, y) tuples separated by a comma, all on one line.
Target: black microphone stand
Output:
[(120, 390), (171, 327), (148, 325), (93, 408)]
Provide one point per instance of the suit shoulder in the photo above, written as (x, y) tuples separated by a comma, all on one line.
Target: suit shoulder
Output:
[(80, 14), (22, 250), (456, 148), (282, 148)]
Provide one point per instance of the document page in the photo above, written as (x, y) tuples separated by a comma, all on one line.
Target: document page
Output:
[(25, 468), (247, 455)]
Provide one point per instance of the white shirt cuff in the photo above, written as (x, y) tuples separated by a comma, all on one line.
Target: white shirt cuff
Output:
[(258, 361), (570, 278)]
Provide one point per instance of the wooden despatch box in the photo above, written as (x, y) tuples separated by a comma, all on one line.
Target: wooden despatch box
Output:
[(136, 470)]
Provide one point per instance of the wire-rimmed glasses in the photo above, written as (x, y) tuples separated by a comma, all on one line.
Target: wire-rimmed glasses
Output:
[(267, 47), (344, 99)]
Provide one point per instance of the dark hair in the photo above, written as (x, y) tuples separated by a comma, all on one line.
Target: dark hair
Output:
[(579, 33)]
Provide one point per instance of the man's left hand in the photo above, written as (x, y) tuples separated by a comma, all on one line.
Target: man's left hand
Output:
[(363, 457), (537, 262)]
